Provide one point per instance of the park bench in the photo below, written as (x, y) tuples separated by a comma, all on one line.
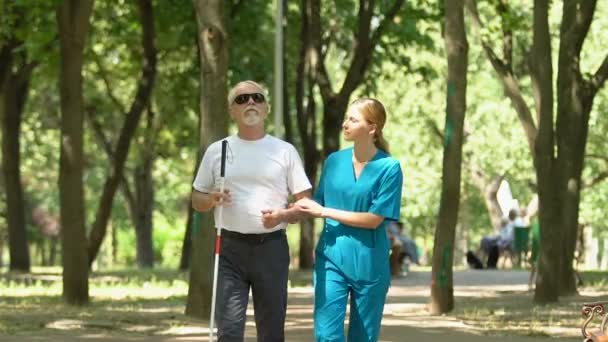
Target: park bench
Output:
[(590, 312)]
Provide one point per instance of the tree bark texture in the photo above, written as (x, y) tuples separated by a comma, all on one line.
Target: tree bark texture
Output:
[(575, 97), (442, 288), (14, 87), (73, 20), (548, 194), (306, 123), (213, 52)]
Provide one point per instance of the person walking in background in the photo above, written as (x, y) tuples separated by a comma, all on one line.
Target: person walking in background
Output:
[(359, 192), (261, 172)]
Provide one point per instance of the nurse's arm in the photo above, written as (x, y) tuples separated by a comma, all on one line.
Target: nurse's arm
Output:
[(350, 218), (293, 214)]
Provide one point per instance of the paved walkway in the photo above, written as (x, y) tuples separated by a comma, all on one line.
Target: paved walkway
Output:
[(402, 321)]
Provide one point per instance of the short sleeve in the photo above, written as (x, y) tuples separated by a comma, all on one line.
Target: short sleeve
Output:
[(297, 181), (204, 180), (387, 200)]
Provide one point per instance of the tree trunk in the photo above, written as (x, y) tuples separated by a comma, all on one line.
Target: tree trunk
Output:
[(306, 123), (550, 241), (53, 252), (186, 257), (307, 244), (142, 98), (14, 88), (574, 103), (144, 185), (287, 121), (213, 52), (73, 20), (145, 207), (184, 262), (334, 109), (442, 289)]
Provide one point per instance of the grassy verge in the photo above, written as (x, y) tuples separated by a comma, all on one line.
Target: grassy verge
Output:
[(136, 302), (515, 313)]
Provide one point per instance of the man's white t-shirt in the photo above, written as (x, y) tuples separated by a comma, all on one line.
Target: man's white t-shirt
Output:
[(260, 174)]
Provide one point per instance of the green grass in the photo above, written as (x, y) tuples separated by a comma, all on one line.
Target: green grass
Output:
[(516, 313), (125, 301), (152, 302)]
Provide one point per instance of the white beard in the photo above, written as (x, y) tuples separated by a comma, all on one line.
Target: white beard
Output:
[(252, 118)]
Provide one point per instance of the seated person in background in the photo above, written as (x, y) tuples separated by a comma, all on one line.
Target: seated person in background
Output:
[(492, 246), (505, 236), (402, 246)]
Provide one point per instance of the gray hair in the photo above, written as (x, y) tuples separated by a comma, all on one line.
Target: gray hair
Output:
[(232, 92)]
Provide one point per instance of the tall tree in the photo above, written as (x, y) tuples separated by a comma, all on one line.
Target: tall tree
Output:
[(140, 202), (575, 96), (558, 144), (131, 121), (307, 122), (312, 70), (365, 40), (15, 72), (551, 230), (143, 205), (456, 45), (73, 20), (213, 51)]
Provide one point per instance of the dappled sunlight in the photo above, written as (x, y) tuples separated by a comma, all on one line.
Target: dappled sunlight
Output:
[(145, 292), (143, 307), (186, 330)]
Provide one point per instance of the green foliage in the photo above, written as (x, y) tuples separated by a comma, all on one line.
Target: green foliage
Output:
[(407, 73), (251, 36)]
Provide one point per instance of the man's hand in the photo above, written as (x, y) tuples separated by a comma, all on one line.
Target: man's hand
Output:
[(217, 198), (272, 217), (203, 201)]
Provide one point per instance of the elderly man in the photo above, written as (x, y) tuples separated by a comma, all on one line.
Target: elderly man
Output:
[(261, 172)]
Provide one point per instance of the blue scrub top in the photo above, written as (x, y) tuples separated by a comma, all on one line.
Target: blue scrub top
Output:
[(360, 253)]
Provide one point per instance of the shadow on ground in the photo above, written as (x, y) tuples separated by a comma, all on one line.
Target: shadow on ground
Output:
[(490, 306)]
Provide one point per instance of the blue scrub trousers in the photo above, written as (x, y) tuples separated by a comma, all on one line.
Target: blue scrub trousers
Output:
[(332, 288)]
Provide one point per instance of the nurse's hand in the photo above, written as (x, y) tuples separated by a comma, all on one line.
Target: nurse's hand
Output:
[(310, 207)]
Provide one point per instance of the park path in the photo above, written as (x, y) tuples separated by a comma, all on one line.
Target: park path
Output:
[(402, 320)]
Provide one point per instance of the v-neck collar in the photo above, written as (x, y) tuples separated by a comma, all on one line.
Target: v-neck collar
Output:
[(352, 164)]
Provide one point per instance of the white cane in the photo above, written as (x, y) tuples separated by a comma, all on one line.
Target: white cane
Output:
[(218, 239)]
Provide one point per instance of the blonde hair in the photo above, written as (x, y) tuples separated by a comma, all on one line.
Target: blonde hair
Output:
[(373, 111), (232, 92)]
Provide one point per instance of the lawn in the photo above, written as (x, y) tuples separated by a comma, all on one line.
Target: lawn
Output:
[(145, 303)]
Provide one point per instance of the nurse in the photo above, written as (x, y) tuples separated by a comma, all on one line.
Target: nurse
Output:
[(358, 193)]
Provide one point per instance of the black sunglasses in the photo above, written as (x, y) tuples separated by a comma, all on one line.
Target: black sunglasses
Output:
[(243, 98)]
